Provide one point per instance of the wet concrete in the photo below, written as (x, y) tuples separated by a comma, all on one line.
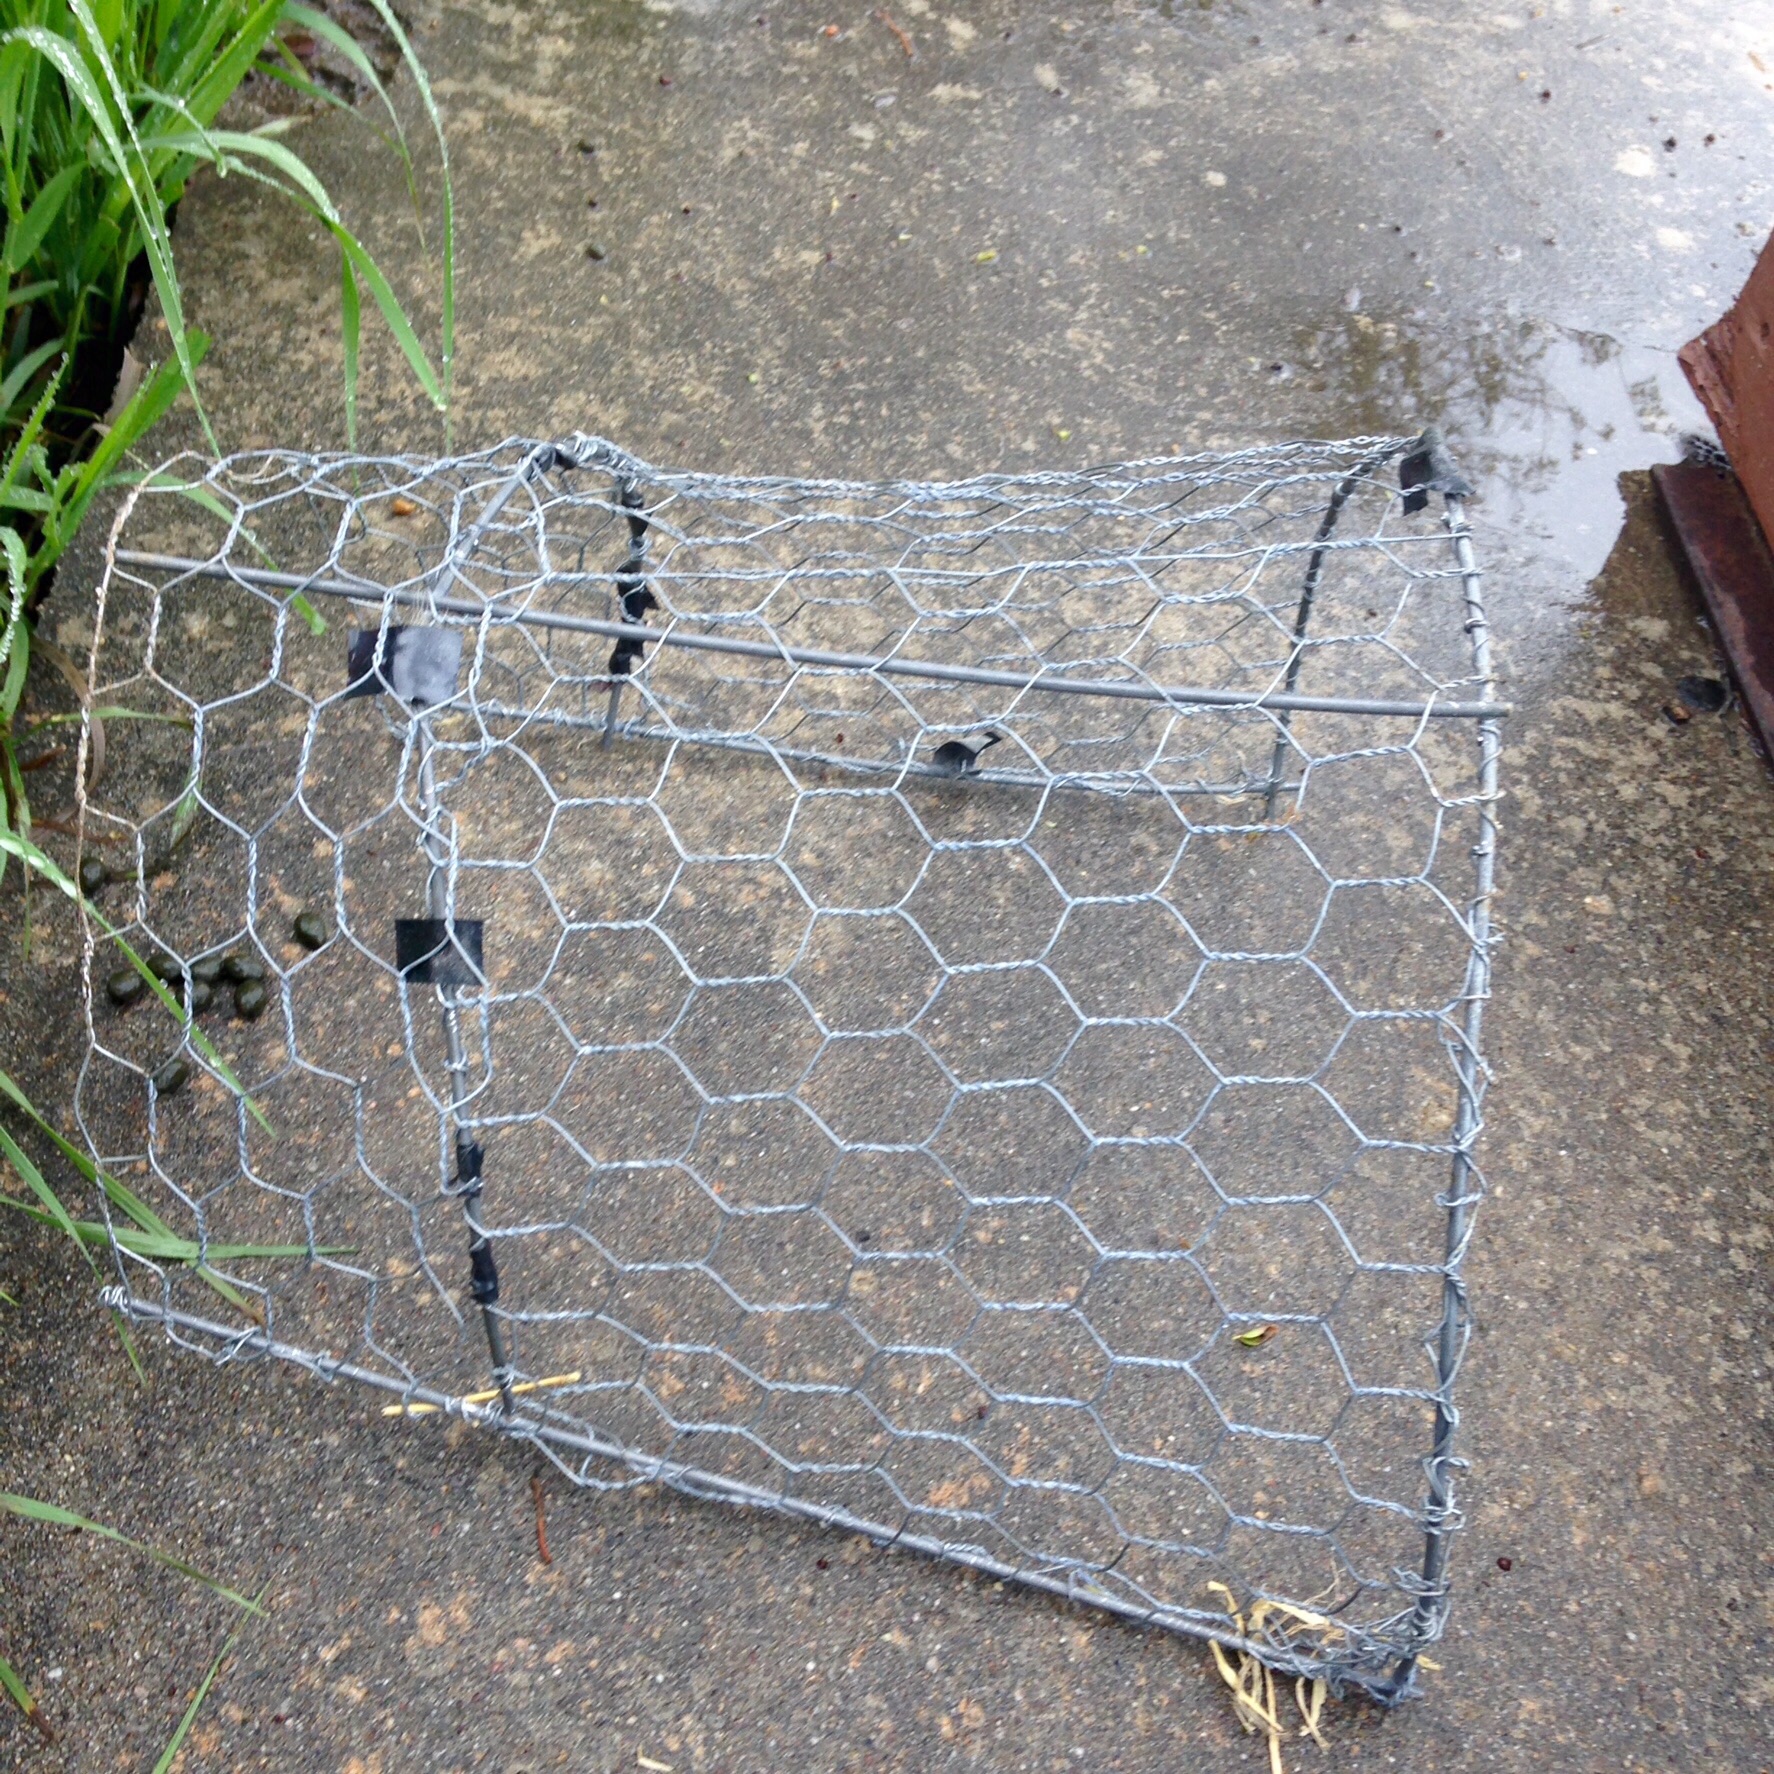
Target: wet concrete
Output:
[(1208, 225)]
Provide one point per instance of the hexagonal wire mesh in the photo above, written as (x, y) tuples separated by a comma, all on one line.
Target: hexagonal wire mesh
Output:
[(958, 1025)]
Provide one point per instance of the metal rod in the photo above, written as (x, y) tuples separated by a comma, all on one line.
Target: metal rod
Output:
[(610, 713), (465, 544), (1303, 616), (1119, 783), (1171, 695), (1430, 1613), (438, 897), (526, 1423)]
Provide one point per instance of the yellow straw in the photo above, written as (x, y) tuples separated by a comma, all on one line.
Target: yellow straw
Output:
[(487, 1397)]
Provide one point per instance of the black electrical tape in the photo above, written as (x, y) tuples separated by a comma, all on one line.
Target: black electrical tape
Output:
[(485, 1282)]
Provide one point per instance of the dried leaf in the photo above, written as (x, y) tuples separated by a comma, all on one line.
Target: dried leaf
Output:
[(1255, 1339), (129, 379)]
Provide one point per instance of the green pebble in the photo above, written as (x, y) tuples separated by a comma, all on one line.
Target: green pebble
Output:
[(250, 999), (208, 970), (93, 875), (173, 1076), (311, 931), (166, 969), (242, 968), (124, 986), (202, 995)]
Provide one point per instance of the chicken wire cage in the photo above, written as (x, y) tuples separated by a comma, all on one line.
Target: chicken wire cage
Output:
[(950, 1010)]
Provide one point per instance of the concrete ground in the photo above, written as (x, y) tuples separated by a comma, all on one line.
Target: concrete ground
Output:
[(1212, 224)]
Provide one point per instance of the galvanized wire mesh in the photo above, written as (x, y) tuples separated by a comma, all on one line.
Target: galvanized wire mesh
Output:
[(949, 1009)]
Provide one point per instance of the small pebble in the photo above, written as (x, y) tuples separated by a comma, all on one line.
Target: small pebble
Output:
[(250, 998), (166, 969), (93, 875), (596, 249), (311, 931), (242, 968), (124, 986), (208, 970), (173, 1076), (202, 995)]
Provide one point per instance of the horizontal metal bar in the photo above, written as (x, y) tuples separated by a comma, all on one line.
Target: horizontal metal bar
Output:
[(523, 1423), (1117, 783), (1167, 694)]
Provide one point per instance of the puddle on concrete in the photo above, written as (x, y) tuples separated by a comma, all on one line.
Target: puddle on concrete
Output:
[(1543, 419)]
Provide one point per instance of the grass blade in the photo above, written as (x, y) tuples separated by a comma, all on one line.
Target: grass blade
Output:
[(324, 28), (22, 371), (422, 84), (350, 331), (153, 1238), (170, 1753), (232, 151), (27, 292), (52, 1209), (80, 483), (21, 1698), (202, 497), (17, 636), (54, 1516), (167, 1246), (23, 241), (137, 189), (107, 714), (121, 1326)]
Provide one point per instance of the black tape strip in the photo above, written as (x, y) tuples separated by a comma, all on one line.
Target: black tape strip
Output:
[(632, 591), (430, 952), (484, 1273), (419, 666), (634, 502), (1430, 469)]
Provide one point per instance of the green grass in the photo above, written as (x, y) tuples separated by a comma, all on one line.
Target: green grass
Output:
[(107, 109), (170, 1754), (22, 1698), (53, 1515)]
